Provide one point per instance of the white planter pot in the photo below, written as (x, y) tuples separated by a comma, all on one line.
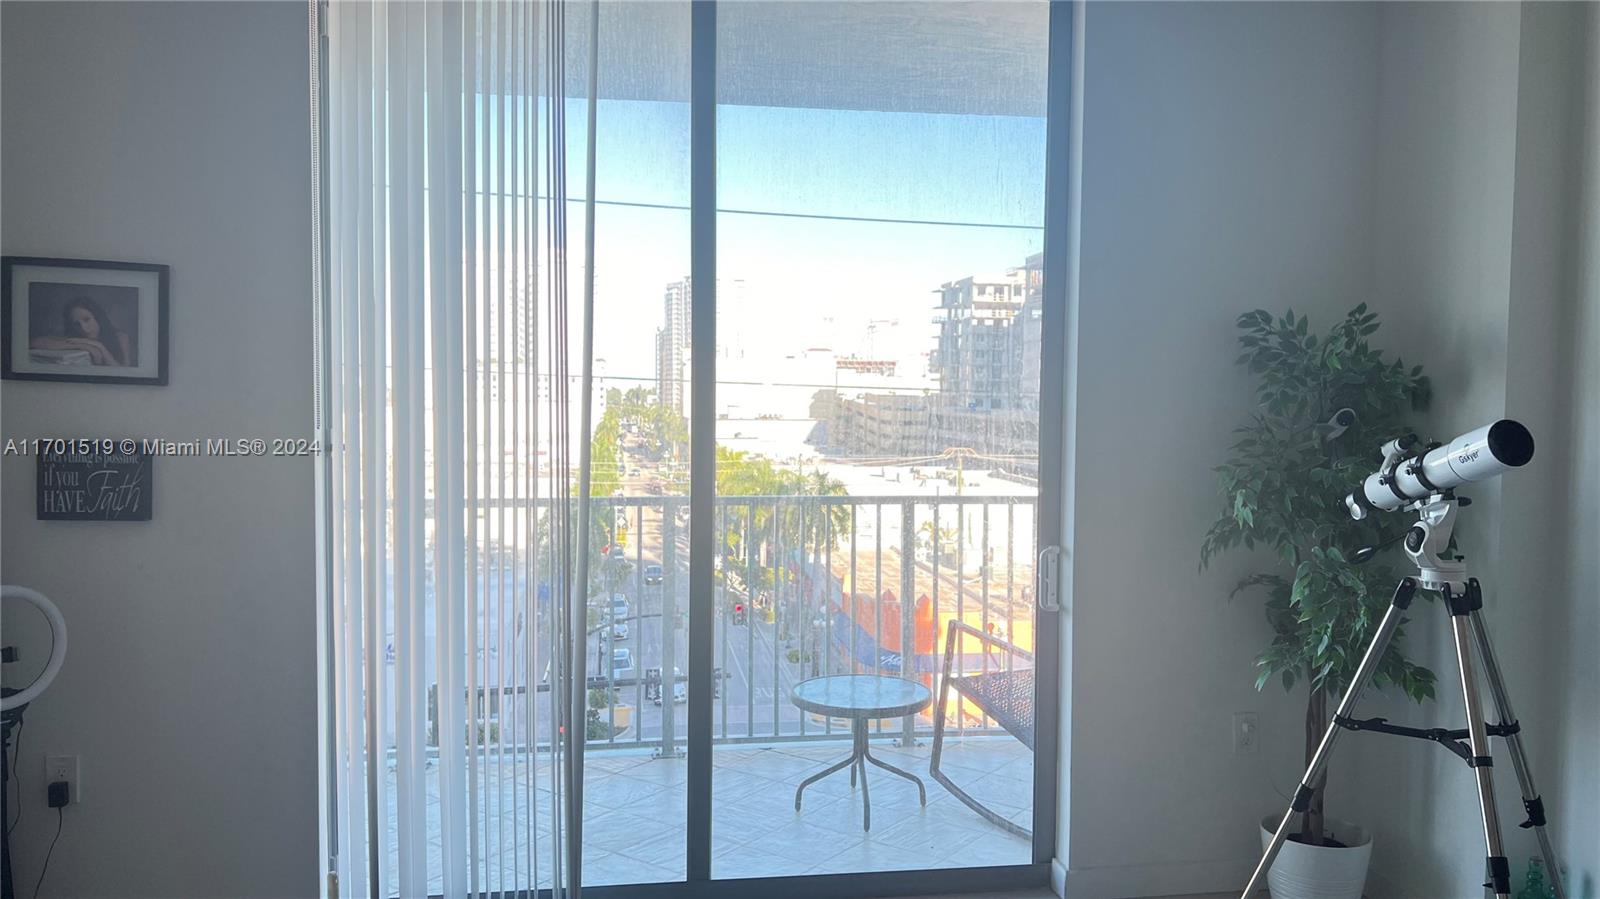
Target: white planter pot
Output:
[(1319, 872)]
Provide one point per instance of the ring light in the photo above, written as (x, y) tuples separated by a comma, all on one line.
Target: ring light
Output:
[(58, 645)]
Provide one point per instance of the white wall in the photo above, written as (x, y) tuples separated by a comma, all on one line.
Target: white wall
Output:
[(1442, 161), (173, 133), (1446, 160), (1480, 153), (1572, 673), (1227, 162)]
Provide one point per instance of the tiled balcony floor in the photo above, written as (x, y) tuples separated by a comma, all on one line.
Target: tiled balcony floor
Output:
[(635, 807)]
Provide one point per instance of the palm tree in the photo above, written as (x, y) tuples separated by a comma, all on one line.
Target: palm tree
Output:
[(929, 536), (837, 515)]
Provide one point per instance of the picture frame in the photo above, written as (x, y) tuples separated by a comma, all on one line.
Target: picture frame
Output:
[(84, 320)]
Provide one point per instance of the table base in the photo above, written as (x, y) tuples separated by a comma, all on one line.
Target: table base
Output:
[(860, 754)]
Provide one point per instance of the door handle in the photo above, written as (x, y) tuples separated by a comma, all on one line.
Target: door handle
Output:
[(1049, 577)]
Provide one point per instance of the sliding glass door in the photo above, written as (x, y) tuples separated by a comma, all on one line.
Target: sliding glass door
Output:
[(826, 443), (635, 790), (880, 196), (873, 408)]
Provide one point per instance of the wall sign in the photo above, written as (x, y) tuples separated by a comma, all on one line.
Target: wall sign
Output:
[(95, 486)]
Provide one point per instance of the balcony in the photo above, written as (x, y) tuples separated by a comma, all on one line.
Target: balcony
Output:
[(636, 802), (805, 586)]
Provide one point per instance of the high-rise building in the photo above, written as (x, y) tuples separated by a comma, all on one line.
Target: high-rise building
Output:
[(974, 361), (1028, 335), (989, 340), (673, 341), (987, 361)]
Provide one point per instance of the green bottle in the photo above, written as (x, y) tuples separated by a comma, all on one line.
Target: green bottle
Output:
[(1534, 887)]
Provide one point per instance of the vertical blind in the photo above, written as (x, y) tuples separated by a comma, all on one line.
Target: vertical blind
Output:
[(444, 403)]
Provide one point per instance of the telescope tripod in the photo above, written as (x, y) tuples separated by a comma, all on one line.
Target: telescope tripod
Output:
[(1464, 602)]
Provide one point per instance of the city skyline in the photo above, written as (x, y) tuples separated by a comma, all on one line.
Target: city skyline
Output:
[(837, 223)]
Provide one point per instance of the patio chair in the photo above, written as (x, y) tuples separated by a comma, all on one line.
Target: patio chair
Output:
[(1004, 695)]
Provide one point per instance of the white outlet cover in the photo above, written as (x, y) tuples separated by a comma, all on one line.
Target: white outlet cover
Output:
[(64, 767), (1246, 733)]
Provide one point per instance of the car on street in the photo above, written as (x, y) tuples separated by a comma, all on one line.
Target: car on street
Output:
[(652, 575), (621, 663), (618, 553), (680, 689), (619, 630), (619, 607)]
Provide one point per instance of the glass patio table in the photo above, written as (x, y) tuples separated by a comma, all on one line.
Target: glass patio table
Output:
[(860, 698)]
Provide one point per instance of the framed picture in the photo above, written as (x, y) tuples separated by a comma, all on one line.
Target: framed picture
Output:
[(83, 320)]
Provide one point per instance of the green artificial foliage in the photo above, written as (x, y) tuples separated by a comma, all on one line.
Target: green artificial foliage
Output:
[(1282, 488)]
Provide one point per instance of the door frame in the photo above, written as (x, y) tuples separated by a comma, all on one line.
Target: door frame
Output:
[(1051, 518)]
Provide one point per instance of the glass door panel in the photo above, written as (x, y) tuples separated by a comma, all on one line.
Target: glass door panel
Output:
[(880, 228), (635, 794)]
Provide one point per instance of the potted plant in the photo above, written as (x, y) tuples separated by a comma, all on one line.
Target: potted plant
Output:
[(1281, 488)]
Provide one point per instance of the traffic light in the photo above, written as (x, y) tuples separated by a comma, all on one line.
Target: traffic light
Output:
[(652, 684), (740, 615)]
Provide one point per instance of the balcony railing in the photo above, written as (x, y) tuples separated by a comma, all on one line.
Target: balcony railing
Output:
[(805, 586)]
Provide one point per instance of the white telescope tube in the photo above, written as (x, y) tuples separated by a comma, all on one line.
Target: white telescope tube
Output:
[(1477, 455)]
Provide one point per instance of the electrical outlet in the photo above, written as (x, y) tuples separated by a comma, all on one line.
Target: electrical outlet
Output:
[(64, 767), (1246, 733)]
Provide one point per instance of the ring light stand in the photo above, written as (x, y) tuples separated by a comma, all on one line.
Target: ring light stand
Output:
[(14, 702)]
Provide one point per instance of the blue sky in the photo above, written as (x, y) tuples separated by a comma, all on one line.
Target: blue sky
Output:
[(809, 281), (840, 223)]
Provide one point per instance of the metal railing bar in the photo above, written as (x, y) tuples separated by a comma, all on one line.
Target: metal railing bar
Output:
[(777, 606), (673, 501), (908, 591), (937, 557), (983, 587), (605, 622), (750, 635), (855, 597), (721, 515), (961, 602), (638, 591), (877, 593), (800, 599), (1011, 574), (669, 628), (825, 598)]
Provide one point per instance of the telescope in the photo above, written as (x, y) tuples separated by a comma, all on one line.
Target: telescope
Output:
[(1408, 477), (1424, 481)]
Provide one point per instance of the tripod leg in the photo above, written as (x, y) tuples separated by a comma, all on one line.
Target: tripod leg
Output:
[(1519, 759), (1369, 664), (1482, 762)]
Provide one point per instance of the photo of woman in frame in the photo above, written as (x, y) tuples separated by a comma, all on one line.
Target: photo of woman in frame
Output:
[(82, 332), (83, 320)]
